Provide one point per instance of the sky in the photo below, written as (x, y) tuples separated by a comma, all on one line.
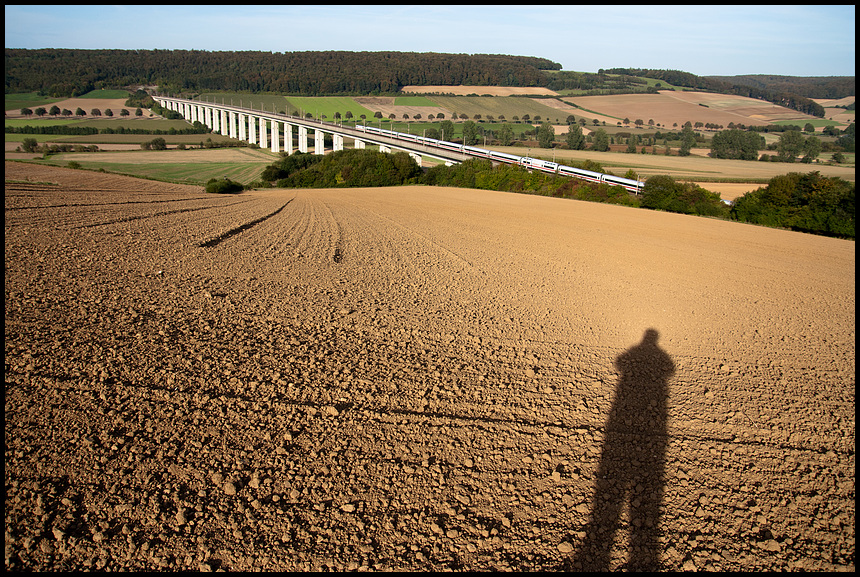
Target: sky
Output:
[(791, 40)]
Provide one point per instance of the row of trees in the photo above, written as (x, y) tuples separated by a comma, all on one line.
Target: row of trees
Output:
[(77, 130), (55, 111), (32, 145), (745, 145)]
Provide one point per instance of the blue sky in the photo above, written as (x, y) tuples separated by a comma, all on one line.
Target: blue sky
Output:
[(705, 40)]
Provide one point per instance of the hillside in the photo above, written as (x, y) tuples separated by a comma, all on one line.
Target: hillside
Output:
[(825, 87), (71, 72), (418, 379)]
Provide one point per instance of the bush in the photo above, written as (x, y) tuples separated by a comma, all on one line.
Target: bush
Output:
[(29, 145), (804, 202), (662, 192), (223, 186), (344, 168)]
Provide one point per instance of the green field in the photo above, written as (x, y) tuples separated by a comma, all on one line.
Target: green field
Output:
[(509, 106), (326, 105), (185, 166), (265, 102), (28, 100), (106, 94), (36, 121)]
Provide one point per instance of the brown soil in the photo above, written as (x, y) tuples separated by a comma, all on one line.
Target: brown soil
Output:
[(420, 379)]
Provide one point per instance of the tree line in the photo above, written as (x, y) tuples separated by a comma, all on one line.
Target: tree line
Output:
[(196, 128), (65, 72)]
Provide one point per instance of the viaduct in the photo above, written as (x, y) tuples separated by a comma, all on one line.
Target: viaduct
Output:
[(266, 129)]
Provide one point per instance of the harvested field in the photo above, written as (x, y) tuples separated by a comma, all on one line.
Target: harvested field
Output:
[(479, 90), (419, 379), (670, 107)]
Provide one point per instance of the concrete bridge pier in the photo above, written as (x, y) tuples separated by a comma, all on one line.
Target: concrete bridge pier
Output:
[(276, 144), (415, 156), (383, 148), (303, 139), (288, 138), (231, 119), (243, 123), (263, 133), (337, 142), (223, 123), (252, 129), (359, 144), (319, 141)]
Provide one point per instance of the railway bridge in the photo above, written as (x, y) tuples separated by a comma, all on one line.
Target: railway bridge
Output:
[(275, 131)]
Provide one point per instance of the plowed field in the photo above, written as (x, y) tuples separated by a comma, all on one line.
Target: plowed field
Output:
[(420, 379)]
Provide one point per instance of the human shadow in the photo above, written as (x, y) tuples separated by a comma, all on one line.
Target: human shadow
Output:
[(631, 470)]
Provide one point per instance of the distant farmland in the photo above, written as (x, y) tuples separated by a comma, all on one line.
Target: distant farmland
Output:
[(671, 107)]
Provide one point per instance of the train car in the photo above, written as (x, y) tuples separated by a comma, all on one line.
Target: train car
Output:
[(504, 157), (451, 146), (579, 173), (633, 186), (476, 151), (538, 164), (544, 165)]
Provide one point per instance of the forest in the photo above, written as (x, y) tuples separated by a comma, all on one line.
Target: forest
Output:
[(56, 72)]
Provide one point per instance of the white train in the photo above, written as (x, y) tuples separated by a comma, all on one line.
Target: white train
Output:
[(634, 186)]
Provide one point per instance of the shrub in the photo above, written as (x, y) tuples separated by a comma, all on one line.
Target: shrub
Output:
[(662, 192), (29, 145), (223, 186)]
